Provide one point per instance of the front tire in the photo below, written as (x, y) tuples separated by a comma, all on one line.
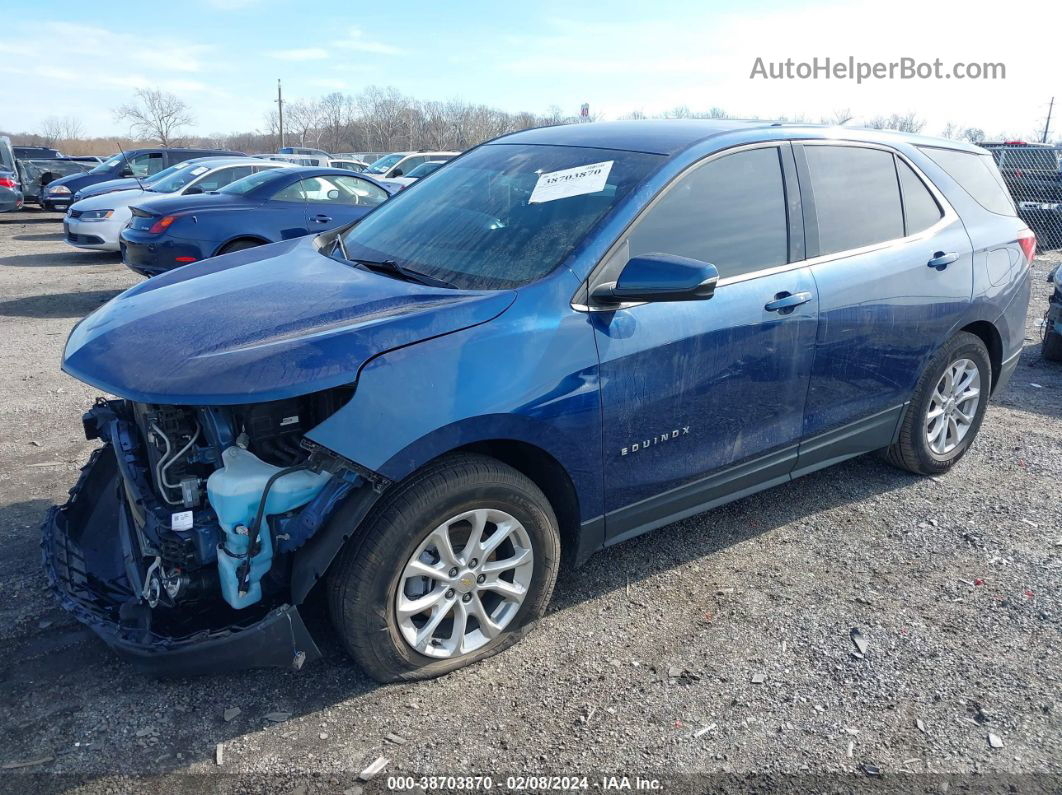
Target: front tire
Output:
[(454, 565), (946, 409)]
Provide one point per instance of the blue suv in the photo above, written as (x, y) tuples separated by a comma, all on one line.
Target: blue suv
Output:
[(563, 339)]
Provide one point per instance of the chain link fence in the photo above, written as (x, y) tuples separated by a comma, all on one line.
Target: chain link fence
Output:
[(1033, 173)]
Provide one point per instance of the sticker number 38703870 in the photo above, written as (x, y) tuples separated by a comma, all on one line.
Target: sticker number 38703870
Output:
[(570, 182)]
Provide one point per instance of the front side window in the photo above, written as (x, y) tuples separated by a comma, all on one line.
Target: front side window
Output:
[(501, 216), (342, 190), (729, 212), (146, 164), (976, 174), (857, 196)]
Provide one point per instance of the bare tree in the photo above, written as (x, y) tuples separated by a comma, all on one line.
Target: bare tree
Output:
[(55, 130), (973, 134), (905, 122), (155, 114), (839, 117)]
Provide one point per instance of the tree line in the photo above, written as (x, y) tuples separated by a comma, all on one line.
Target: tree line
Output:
[(378, 119)]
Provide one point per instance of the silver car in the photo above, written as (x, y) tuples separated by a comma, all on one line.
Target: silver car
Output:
[(96, 222)]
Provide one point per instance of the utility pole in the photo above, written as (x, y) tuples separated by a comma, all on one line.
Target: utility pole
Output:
[(280, 113), (1047, 126)]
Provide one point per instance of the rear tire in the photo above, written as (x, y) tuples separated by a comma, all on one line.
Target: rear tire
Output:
[(1051, 349), (923, 447), (371, 588)]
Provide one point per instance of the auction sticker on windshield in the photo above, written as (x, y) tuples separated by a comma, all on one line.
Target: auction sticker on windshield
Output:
[(570, 182)]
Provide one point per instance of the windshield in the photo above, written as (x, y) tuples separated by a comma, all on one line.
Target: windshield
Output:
[(384, 163), (107, 165), (501, 216), (423, 170), (242, 187), (178, 179)]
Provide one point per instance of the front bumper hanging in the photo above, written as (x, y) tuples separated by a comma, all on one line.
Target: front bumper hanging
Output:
[(88, 547)]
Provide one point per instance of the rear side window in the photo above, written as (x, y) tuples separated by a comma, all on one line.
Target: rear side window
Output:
[(729, 212), (857, 197), (977, 175), (920, 209)]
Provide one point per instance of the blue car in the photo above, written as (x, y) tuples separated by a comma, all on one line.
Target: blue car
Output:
[(565, 338), (266, 207), (136, 163)]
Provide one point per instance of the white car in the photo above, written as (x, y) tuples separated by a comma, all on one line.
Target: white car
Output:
[(410, 177), (96, 222), (399, 164)]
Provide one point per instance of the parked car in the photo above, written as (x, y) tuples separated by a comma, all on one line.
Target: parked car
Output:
[(96, 222), (10, 191), (36, 175), (566, 338), (1051, 347), (348, 165), (417, 173), (35, 152), (398, 164), (127, 183), (262, 208), (303, 150), (1031, 173), (10, 184), (134, 163), (300, 160), (86, 158)]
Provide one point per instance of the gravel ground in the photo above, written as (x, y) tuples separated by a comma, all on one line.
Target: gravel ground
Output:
[(718, 645)]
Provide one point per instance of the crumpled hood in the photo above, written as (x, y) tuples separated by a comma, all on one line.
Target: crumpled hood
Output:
[(262, 324)]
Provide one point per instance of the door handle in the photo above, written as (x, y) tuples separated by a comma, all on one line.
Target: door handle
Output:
[(787, 302), (321, 219), (941, 260)]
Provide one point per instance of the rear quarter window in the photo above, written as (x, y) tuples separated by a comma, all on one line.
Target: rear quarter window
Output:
[(920, 209), (976, 174)]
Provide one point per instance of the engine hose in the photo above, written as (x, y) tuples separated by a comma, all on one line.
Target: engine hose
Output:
[(254, 529)]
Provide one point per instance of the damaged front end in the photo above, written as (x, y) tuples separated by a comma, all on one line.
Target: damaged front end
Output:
[(194, 532)]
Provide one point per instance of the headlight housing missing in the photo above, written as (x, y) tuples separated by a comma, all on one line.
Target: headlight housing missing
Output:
[(96, 215)]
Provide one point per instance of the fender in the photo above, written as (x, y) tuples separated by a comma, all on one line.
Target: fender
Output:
[(505, 379)]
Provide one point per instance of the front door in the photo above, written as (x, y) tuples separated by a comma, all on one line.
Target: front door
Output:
[(705, 398)]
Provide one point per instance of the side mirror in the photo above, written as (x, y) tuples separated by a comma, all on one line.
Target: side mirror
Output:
[(659, 277), (125, 172), (396, 173), (192, 190)]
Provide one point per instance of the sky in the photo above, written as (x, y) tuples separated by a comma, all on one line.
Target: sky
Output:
[(223, 57)]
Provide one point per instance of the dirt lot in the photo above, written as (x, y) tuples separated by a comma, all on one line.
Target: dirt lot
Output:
[(650, 659)]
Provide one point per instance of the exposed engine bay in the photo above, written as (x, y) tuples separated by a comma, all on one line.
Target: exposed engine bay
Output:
[(205, 508)]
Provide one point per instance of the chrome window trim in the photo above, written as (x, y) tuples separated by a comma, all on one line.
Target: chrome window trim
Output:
[(949, 217)]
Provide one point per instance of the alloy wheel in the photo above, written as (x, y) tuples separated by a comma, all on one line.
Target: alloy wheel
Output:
[(465, 583), (953, 406)]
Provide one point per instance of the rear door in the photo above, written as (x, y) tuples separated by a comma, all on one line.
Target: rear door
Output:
[(893, 267), (705, 398)]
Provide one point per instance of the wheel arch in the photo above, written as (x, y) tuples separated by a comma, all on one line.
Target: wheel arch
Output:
[(993, 340), (546, 472), (257, 239)]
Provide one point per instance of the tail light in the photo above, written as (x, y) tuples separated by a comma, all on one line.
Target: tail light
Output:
[(8, 182), (162, 224), (1027, 241)]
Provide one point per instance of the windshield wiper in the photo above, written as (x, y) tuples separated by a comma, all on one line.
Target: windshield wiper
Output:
[(391, 267)]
